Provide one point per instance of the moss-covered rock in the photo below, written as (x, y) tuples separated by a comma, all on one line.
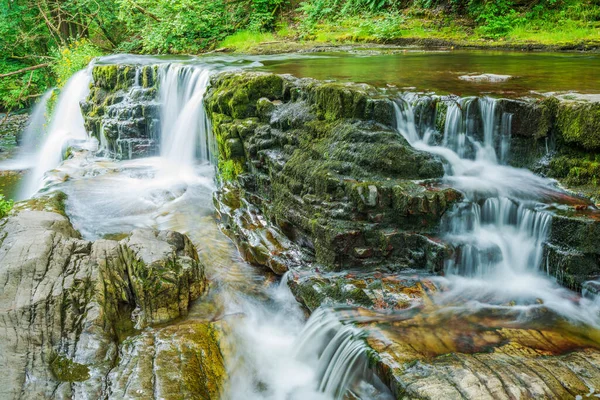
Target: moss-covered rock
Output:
[(375, 290), (578, 124), (121, 109), (530, 118), (174, 362), (327, 168)]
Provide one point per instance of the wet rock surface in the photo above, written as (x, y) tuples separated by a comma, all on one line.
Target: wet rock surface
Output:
[(450, 356), (72, 311), (322, 164), (122, 110)]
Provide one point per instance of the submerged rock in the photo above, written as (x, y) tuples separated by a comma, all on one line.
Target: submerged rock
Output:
[(67, 305), (494, 78)]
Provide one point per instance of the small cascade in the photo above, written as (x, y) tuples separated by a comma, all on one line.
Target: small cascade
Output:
[(506, 126), (500, 228), (184, 125), (66, 127), (498, 235), (405, 121), (455, 127), (341, 362)]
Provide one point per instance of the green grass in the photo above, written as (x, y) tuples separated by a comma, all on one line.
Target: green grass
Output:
[(245, 40)]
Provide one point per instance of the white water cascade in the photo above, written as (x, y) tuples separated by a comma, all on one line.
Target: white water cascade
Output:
[(185, 127), (36, 127), (498, 231), (66, 127)]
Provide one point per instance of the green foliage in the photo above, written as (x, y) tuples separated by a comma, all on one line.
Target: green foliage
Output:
[(264, 13), (17, 91), (383, 28), (5, 206), (72, 58), (497, 18), (178, 26)]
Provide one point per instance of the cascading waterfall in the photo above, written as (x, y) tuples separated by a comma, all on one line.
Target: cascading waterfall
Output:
[(341, 352), (185, 127), (33, 134), (36, 127), (66, 127), (496, 232), (499, 230)]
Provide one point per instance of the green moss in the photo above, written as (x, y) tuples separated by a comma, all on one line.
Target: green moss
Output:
[(577, 171), (335, 101), (149, 76), (53, 202), (105, 76), (66, 370), (236, 94), (113, 77), (579, 124), (230, 169)]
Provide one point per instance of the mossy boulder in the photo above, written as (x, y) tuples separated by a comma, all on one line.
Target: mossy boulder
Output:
[(238, 94), (530, 118), (121, 110)]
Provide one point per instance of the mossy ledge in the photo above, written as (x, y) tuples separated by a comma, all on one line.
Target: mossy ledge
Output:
[(323, 164)]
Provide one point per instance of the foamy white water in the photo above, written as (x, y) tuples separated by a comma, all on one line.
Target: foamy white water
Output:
[(66, 127), (499, 230)]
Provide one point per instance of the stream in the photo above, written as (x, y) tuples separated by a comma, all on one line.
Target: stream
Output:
[(276, 351)]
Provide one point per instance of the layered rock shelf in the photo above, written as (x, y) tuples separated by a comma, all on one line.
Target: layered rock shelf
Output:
[(83, 319)]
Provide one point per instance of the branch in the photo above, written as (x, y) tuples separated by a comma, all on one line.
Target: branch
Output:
[(144, 11), (54, 30), (24, 70)]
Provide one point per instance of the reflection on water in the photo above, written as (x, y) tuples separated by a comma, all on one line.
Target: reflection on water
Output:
[(439, 71)]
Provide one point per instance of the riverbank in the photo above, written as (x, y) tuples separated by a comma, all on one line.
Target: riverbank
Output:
[(412, 28)]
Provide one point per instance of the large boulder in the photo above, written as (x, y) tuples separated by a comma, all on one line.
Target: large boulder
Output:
[(68, 305)]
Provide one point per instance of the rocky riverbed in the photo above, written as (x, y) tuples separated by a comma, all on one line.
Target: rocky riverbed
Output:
[(348, 194)]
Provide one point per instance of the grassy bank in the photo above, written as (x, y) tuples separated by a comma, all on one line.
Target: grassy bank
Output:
[(572, 28)]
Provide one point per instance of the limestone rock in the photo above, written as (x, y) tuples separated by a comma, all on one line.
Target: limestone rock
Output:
[(66, 304), (174, 362)]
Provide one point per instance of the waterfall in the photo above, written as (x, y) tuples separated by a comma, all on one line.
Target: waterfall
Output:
[(341, 361), (33, 134), (500, 227), (36, 126), (185, 128), (66, 127)]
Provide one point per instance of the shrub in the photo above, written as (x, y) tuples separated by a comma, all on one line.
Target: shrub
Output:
[(72, 58), (5, 206)]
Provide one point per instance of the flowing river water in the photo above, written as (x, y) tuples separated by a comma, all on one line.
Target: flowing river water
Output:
[(276, 353)]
